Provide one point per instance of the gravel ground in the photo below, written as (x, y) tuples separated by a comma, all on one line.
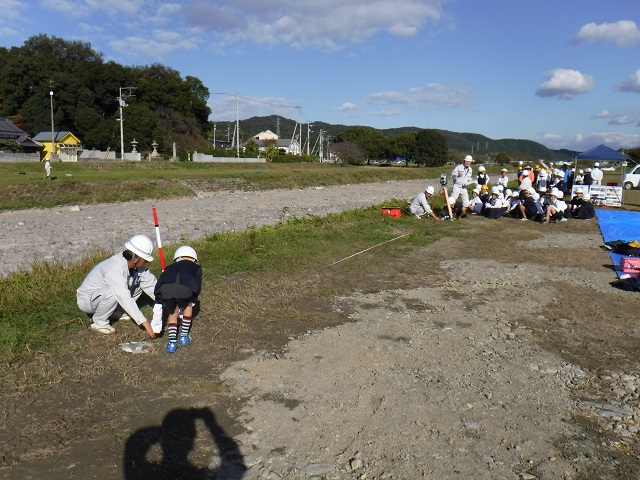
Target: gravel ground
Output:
[(441, 381), (64, 234)]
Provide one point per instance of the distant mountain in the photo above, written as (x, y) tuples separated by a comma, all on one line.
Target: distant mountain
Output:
[(474, 143)]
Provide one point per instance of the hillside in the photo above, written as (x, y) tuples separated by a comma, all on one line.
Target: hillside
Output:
[(457, 141)]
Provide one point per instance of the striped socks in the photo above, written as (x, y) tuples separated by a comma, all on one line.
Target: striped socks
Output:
[(185, 326), (172, 331)]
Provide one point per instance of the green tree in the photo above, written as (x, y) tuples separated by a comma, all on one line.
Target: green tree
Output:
[(373, 143), (404, 145), (503, 158), (251, 148), (431, 148), (348, 153), (271, 152)]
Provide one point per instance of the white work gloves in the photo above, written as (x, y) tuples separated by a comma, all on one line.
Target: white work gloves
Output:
[(156, 321)]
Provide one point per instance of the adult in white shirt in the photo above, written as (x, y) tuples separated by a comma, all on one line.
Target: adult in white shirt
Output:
[(596, 174), (119, 281), (462, 177), (419, 206)]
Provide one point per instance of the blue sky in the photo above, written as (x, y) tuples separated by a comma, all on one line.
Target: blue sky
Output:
[(563, 73)]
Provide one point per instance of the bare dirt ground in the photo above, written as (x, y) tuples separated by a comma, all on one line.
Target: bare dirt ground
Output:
[(502, 353)]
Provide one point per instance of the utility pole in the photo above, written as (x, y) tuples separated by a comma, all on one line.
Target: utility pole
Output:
[(308, 136), (320, 142), (122, 101), (53, 137), (237, 128), (214, 136)]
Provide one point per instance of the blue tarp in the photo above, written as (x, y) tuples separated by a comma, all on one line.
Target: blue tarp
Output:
[(618, 225), (601, 153)]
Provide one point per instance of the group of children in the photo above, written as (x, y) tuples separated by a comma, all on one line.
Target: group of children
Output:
[(529, 204)]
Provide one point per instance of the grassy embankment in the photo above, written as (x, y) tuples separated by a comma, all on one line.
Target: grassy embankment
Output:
[(39, 308)]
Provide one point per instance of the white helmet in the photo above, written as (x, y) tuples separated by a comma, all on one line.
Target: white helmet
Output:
[(596, 164), (140, 245), (555, 192), (468, 158), (515, 194), (429, 190), (508, 192), (495, 191), (185, 251), (586, 196)]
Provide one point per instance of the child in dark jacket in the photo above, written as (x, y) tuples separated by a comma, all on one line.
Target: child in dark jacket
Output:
[(177, 289)]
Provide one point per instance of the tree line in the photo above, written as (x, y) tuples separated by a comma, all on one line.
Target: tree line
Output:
[(86, 91)]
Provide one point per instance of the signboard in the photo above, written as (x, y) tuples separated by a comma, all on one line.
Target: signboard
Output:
[(604, 195)]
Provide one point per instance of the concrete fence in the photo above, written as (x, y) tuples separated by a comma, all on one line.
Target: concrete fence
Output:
[(19, 157), (201, 157)]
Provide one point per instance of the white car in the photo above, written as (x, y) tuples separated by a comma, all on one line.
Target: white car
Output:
[(632, 179), (608, 169)]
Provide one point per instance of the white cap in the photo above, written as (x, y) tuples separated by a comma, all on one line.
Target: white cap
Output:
[(515, 193), (579, 190), (504, 170), (596, 164), (482, 169), (586, 196)]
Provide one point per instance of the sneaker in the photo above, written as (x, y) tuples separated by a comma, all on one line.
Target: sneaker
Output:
[(125, 316), (171, 347), (103, 329), (523, 219), (185, 340), (562, 219), (446, 217)]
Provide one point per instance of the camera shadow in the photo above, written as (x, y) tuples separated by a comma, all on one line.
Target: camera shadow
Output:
[(175, 438)]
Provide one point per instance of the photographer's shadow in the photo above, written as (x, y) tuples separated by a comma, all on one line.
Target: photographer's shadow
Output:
[(176, 437)]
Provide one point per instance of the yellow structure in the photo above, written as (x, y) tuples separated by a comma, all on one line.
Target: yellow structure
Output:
[(66, 144)]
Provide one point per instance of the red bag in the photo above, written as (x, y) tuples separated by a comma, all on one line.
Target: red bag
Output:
[(630, 265)]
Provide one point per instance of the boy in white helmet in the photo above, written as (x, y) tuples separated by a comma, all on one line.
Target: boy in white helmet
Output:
[(119, 281), (419, 206), (177, 290)]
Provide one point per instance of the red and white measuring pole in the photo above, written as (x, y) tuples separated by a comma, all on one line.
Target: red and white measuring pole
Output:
[(155, 222)]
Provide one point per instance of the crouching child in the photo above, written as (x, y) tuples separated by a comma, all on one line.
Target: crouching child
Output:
[(177, 290)]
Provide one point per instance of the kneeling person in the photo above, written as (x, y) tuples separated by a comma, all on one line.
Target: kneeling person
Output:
[(119, 281), (178, 289), (419, 206)]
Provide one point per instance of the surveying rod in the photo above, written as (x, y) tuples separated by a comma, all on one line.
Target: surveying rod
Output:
[(155, 222)]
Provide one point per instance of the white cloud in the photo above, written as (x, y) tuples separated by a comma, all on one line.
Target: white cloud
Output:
[(347, 107), (444, 96), (166, 43), (565, 83), (580, 142), (328, 24), (620, 118), (426, 97), (87, 8), (625, 33), (632, 84), (11, 10)]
